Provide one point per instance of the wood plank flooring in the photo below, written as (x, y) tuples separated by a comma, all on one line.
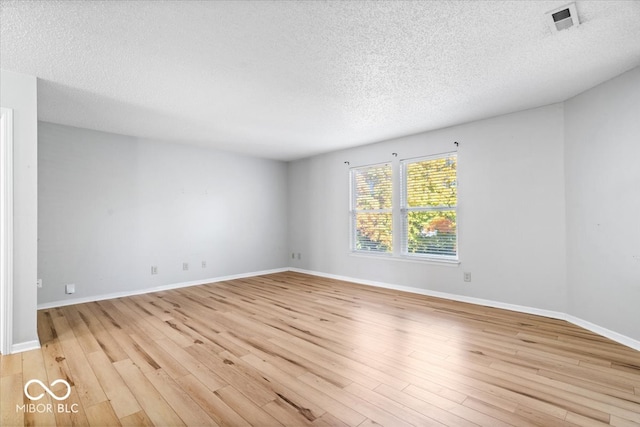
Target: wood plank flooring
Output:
[(297, 350)]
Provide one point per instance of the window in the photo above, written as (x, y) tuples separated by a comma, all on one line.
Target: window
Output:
[(428, 207), (421, 223), (371, 209)]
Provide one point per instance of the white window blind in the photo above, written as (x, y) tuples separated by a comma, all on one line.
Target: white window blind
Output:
[(428, 206), (371, 209)]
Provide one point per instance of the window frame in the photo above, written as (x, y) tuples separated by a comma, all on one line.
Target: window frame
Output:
[(353, 211), (405, 209)]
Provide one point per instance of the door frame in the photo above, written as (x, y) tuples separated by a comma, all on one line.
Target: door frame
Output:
[(6, 230)]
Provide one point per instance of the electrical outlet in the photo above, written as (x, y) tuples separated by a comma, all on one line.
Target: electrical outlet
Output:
[(185, 266), (69, 289), (204, 264), (154, 269), (467, 277), (293, 255), (39, 283)]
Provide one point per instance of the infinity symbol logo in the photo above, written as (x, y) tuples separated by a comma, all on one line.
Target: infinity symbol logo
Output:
[(47, 389)]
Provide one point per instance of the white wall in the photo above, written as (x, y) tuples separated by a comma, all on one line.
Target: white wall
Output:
[(111, 206), (511, 213), (603, 204), (19, 92)]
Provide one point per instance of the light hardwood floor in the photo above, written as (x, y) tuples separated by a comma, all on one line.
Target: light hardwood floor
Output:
[(291, 349)]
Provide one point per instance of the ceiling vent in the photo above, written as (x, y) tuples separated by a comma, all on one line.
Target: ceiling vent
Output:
[(563, 17)]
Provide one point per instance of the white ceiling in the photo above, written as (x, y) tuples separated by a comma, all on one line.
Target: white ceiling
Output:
[(285, 79)]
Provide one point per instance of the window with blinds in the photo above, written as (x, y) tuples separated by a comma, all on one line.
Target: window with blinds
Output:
[(371, 209), (428, 206)]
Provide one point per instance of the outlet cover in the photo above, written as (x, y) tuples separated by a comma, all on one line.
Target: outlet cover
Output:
[(69, 289), (467, 277), (204, 264), (185, 266), (39, 283), (154, 269)]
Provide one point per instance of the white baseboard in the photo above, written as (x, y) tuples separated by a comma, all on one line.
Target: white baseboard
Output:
[(444, 295), (622, 339), (25, 346), (101, 297), (608, 333)]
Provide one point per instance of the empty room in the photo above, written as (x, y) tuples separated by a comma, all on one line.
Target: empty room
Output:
[(320, 213)]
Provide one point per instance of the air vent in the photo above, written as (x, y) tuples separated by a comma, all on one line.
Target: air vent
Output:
[(563, 17)]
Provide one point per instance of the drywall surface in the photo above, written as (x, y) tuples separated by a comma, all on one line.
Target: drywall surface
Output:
[(511, 211), (19, 92), (603, 204), (113, 206)]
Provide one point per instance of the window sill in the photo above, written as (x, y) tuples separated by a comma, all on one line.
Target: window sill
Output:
[(418, 260)]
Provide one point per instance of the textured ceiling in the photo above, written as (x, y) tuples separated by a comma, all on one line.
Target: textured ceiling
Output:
[(285, 80)]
